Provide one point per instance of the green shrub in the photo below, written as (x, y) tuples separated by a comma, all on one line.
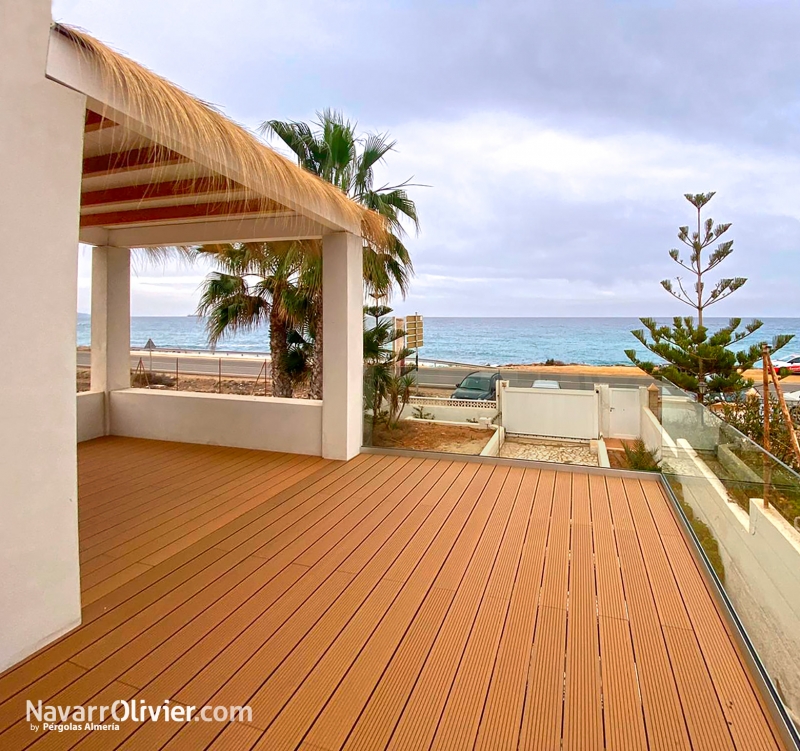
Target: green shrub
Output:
[(639, 457)]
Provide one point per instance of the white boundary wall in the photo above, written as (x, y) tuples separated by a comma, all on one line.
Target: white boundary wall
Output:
[(557, 413), (450, 410), (264, 423), (761, 556), (91, 415)]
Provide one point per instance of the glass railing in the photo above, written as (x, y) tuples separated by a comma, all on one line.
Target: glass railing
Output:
[(443, 409), (698, 441), (744, 507), (543, 415)]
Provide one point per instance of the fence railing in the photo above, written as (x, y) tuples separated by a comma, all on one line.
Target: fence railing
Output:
[(220, 375)]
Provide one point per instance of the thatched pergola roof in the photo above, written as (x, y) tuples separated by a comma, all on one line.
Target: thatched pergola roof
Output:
[(154, 153)]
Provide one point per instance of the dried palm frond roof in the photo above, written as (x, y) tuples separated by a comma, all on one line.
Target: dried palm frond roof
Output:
[(182, 118)]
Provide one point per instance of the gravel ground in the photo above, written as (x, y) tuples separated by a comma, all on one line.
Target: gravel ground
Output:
[(563, 453)]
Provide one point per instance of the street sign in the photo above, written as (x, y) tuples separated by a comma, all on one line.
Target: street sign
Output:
[(150, 345), (414, 331)]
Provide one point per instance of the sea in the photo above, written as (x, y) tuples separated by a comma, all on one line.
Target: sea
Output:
[(478, 341)]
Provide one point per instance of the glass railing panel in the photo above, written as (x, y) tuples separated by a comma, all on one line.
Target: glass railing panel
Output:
[(744, 507)]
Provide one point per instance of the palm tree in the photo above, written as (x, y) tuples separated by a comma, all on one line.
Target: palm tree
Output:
[(287, 277), (334, 152), (257, 283)]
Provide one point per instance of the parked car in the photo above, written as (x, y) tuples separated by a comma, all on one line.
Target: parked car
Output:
[(792, 364), (543, 384), (477, 385)]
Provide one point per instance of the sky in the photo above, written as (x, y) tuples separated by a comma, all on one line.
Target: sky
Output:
[(552, 140)]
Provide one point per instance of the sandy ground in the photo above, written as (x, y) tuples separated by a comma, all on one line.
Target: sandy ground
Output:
[(424, 436)]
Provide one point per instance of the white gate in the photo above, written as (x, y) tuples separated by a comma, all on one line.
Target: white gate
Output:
[(624, 421), (557, 413)]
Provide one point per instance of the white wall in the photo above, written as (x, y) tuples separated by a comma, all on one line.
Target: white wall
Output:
[(761, 555), (254, 422), (91, 415), (560, 413), (41, 132), (451, 411), (651, 432)]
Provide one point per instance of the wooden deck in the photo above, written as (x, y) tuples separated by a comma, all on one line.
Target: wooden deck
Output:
[(385, 603)]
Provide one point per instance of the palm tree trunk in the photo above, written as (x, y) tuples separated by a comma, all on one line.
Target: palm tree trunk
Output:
[(281, 383), (316, 364)]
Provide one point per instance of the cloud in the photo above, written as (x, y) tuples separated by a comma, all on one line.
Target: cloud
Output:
[(557, 137)]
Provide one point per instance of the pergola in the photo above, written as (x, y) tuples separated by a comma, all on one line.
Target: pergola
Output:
[(98, 149), (160, 169)]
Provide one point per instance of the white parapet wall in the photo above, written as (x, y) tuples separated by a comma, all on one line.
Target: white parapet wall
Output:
[(91, 415), (495, 442), (264, 423), (760, 552)]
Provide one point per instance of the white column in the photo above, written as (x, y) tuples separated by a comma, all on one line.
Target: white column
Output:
[(41, 132), (111, 319), (343, 345)]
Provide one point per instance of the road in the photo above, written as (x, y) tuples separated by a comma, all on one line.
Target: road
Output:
[(243, 365)]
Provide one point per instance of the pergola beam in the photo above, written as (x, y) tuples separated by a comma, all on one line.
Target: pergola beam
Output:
[(129, 161), (95, 122), (244, 229), (155, 191), (182, 211)]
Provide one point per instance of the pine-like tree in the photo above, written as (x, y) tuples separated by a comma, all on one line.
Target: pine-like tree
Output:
[(696, 359)]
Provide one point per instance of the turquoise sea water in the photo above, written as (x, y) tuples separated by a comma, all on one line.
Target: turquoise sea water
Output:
[(483, 341)]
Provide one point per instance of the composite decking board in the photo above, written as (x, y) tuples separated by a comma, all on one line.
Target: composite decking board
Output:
[(199, 735), (418, 723), (166, 544), (399, 676), (254, 490), (129, 503), (664, 719), (377, 634), (583, 716), (745, 716), (199, 500), (163, 605), (340, 713), (502, 714), (460, 719), (95, 481), (610, 592), (543, 715), (132, 510), (623, 720), (182, 566), (434, 524), (242, 665), (140, 640), (119, 543), (360, 587), (333, 638), (135, 469), (704, 719)]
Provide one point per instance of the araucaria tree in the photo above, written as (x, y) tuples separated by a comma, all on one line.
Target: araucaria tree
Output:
[(696, 359)]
